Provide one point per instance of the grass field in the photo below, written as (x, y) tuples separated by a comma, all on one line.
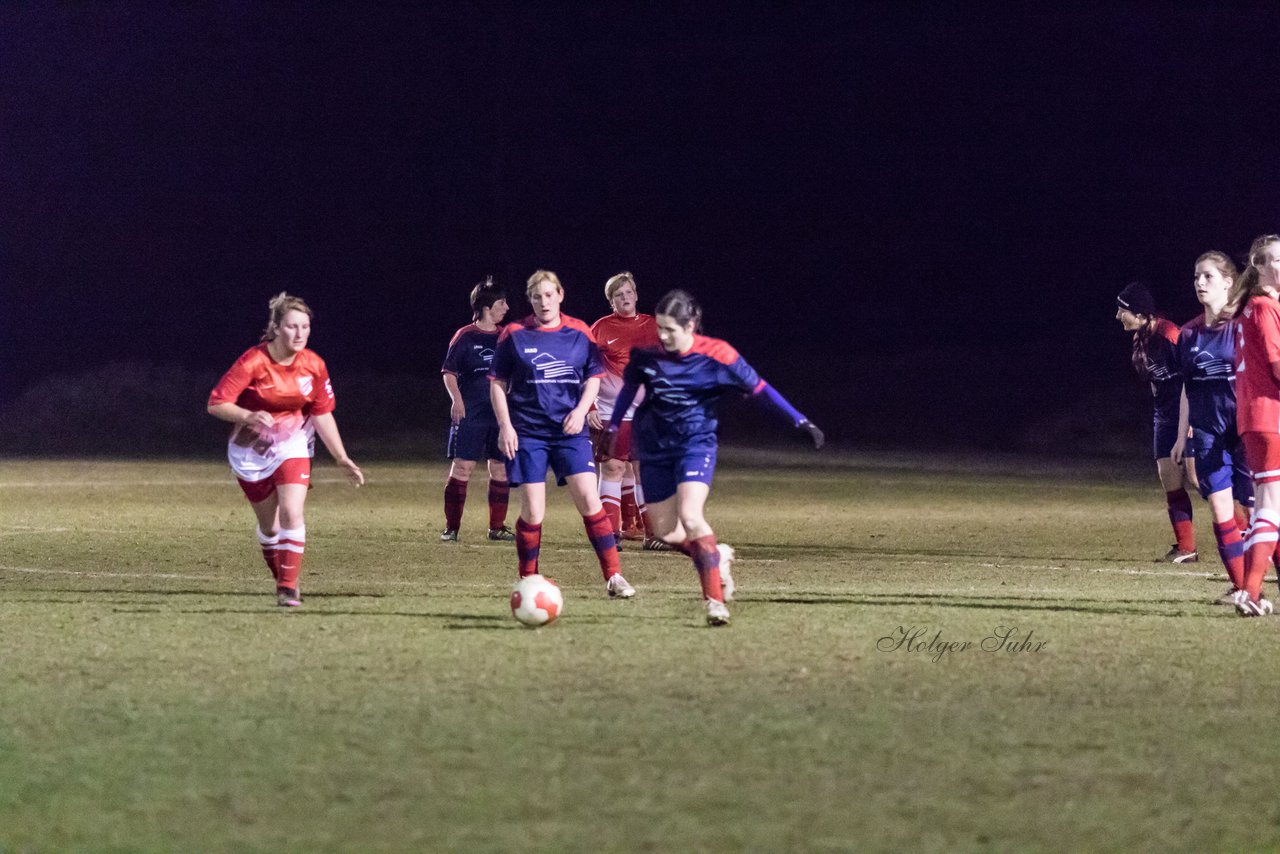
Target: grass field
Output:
[(153, 698)]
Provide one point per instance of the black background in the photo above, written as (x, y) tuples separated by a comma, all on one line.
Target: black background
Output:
[(876, 202)]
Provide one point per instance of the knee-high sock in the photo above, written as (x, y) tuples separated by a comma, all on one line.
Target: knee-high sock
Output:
[(604, 541), (1231, 550), (1259, 547), (268, 548), (499, 495), (706, 559), (611, 498), (528, 544), (293, 542), (455, 496), (630, 512), (1180, 517), (643, 510)]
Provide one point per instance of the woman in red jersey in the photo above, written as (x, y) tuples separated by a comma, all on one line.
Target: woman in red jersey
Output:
[(616, 334), (279, 398), (1154, 357), (1258, 409)]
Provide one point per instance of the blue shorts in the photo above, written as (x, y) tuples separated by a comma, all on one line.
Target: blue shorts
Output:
[(473, 440), (1220, 464), (566, 455), (1164, 434), (659, 476)]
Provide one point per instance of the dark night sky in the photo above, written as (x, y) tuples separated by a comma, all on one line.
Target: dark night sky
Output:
[(909, 176)]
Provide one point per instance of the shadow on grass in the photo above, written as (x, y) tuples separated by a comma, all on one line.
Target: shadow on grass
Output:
[(796, 550), (890, 600)]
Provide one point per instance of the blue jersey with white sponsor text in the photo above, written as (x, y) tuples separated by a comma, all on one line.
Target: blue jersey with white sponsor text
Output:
[(1206, 358), (680, 411), (470, 353), (544, 369)]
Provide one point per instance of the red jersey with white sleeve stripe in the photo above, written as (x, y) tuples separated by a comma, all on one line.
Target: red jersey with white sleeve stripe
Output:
[(1257, 349), (291, 393), (616, 336)]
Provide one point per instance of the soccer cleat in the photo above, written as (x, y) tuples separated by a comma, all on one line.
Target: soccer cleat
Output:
[(450, 535), (503, 533), (288, 597), (717, 613), (1250, 608), (726, 577), (1177, 555), (618, 587), (633, 533), (1233, 596), (657, 544)]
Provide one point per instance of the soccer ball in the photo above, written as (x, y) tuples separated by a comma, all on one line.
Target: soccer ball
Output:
[(536, 601)]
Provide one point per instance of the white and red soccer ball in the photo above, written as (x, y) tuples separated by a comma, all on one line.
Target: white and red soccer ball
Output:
[(536, 601)]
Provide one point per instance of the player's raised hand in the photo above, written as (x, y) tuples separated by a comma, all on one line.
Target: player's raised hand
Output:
[(814, 433)]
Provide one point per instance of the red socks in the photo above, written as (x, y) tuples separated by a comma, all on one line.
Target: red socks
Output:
[(630, 510), (1180, 517), (528, 544), (269, 545), (611, 501), (706, 559), (604, 541), (289, 551), (1263, 537), (499, 495), (1231, 550), (455, 496)]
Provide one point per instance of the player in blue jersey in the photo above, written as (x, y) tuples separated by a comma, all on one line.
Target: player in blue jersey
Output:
[(1153, 357), (473, 431), (1206, 358), (545, 376), (674, 434)]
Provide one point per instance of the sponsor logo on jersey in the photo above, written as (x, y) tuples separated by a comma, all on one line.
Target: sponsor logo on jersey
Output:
[(550, 367), (610, 341)]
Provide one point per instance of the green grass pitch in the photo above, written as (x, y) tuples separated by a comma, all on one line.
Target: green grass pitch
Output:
[(153, 698)]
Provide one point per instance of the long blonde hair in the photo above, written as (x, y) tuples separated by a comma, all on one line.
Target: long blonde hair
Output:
[(1249, 283), (280, 305)]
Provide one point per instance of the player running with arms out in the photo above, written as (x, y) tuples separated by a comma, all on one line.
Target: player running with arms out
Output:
[(675, 434), (543, 380), (473, 431), (1153, 357), (1258, 409), (1206, 358), (616, 335), (278, 397)]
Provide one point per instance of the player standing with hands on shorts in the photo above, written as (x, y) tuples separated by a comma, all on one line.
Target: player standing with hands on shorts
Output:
[(473, 430), (616, 334), (544, 378), (1153, 357), (278, 397), (1206, 358), (1258, 409), (675, 434)]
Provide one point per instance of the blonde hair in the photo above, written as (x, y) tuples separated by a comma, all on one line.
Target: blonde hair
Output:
[(617, 281), (1249, 283), (538, 278), (280, 305)]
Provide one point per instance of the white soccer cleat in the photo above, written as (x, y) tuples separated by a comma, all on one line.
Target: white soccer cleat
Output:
[(726, 575), (1250, 608), (717, 613), (618, 587), (1233, 596)]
